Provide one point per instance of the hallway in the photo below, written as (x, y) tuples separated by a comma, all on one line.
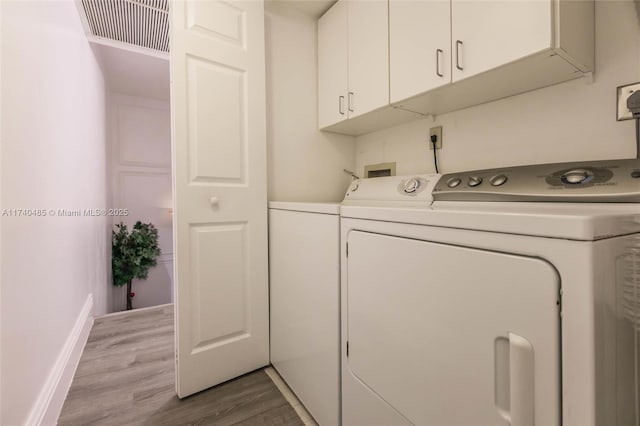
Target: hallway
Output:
[(126, 376)]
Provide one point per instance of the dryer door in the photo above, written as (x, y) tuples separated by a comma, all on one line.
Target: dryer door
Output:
[(449, 335)]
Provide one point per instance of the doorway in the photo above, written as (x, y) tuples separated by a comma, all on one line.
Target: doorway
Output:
[(131, 40), (217, 115), (139, 143)]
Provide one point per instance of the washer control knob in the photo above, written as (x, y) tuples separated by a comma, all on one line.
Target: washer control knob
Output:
[(354, 186), (454, 182), (474, 181), (498, 180), (575, 177), (411, 185)]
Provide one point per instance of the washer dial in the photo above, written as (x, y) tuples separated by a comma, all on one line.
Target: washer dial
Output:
[(411, 185)]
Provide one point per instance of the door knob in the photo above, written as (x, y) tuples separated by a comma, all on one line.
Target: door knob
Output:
[(214, 202)]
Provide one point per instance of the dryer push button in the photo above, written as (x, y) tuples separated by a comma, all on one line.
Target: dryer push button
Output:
[(498, 180), (474, 181), (453, 182)]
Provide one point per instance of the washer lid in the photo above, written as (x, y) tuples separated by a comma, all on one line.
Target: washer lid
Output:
[(572, 221), (324, 208), (409, 190)]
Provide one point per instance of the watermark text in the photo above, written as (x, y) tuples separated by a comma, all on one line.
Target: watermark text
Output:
[(63, 212)]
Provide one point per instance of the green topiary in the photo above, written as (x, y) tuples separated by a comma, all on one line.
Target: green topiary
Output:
[(133, 254)]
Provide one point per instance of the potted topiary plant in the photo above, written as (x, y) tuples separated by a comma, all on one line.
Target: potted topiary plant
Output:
[(133, 254)]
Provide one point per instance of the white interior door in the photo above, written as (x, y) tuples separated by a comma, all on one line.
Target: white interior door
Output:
[(220, 208), (452, 336)]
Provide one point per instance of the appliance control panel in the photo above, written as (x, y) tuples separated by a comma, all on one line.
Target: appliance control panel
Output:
[(411, 188), (591, 181)]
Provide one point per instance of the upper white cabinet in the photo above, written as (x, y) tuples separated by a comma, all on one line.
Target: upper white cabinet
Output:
[(332, 65), (353, 69), (436, 42), (498, 48), (419, 46), (435, 56), (368, 51), (488, 34)]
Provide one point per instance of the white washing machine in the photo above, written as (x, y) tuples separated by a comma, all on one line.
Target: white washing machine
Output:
[(304, 282), (511, 300)]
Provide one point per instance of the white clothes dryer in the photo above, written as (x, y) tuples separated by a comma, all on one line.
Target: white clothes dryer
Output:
[(510, 300)]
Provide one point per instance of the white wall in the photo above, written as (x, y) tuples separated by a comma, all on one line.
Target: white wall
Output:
[(573, 121), (53, 157), (140, 139), (134, 73), (304, 164)]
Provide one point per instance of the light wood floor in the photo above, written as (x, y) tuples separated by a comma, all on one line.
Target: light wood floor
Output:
[(126, 377)]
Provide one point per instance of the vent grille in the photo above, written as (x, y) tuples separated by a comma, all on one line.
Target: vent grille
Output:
[(143, 23)]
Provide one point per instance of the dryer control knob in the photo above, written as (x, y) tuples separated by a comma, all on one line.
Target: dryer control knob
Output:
[(574, 177), (474, 181), (354, 186), (411, 185)]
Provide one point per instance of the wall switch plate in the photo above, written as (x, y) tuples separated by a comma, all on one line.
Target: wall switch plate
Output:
[(438, 132), (623, 93)]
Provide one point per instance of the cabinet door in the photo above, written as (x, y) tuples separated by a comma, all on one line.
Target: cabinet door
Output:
[(368, 41), (419, 46), (487, 34), (332, 65)]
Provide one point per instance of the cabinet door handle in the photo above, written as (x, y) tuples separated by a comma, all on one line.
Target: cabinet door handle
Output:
[(458, 61), (341, 105), (350, 102), (439, 53)]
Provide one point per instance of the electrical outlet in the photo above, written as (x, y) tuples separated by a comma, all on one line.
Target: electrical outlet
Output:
[(623, 94), (437, 131)]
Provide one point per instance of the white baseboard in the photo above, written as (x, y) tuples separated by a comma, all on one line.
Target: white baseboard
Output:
[(291, 398), (148, 308), (48, 406)]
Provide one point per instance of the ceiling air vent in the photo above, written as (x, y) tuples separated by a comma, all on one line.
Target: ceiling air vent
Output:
[(143, 23)]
